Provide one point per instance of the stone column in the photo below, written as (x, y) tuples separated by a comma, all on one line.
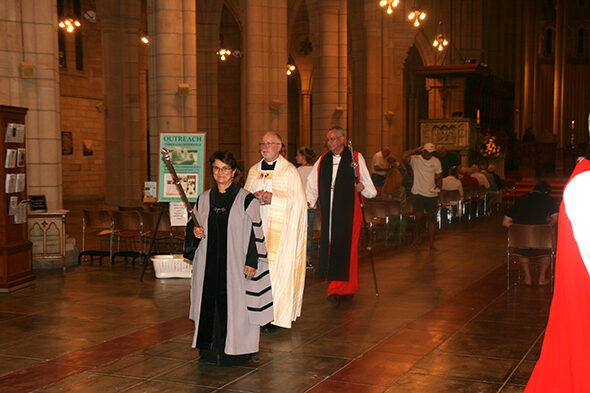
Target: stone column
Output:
[(558, 75), (208, 19), (265, 61), (375, 129), (529, 67), (330, 70), (123, 135), (30, 35), (172, 61), (305, 118)]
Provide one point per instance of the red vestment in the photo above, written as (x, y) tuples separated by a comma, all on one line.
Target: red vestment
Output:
[(564, 364)]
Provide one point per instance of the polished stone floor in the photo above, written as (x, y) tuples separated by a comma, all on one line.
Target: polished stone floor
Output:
[(442, 322)]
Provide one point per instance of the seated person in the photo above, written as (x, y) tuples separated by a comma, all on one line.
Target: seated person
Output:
[(380, 166), (481, 178), (467, 180), (535, 208), (497, 178), (393, 186), (452, 181)]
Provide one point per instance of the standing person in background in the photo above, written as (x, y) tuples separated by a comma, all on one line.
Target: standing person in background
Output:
[(448, 159), (380, 166), (305, 158), (230, 288), (276, 184), (334, 185), (427, 184)]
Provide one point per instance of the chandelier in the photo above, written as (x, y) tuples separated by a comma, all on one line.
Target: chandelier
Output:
[(69, 24), (391, 4), (417, 15), (440, 42), (290, 69)]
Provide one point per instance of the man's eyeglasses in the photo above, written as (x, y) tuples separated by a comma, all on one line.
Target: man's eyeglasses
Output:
[(268, 144), (221, 169), (333, 139)]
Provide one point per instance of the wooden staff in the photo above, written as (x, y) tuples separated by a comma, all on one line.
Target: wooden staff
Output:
[(354, 164), (176, 181)]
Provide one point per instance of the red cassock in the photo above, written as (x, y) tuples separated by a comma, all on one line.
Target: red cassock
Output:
[(564, 364)]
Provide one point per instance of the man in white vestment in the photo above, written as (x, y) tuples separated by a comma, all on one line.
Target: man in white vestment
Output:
[(276, 184)]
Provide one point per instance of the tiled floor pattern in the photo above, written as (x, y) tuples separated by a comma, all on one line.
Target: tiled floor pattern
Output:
[(442, 323)]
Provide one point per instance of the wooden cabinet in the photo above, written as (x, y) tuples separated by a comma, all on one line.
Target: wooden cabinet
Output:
[(15, 248), (47, 232)]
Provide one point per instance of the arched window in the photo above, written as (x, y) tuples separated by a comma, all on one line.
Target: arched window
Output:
[(548, 42)]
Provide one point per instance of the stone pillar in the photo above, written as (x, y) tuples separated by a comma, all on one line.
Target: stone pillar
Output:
[(305, 118), (330, 70), (120, 22), (558, 75), (30, 35), (265, 61), (528, 85), (207, 76), (374, 127), (172, 61)]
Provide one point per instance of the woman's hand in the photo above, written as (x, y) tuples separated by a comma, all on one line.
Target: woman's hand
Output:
[(249, 272), (199, 232)]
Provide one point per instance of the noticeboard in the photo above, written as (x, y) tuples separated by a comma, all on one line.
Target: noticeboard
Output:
[(187, 154)]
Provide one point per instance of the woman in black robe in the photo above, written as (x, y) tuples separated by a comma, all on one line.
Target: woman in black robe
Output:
[(227, 210)]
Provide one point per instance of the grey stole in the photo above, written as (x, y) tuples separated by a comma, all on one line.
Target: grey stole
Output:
[(249, 302)]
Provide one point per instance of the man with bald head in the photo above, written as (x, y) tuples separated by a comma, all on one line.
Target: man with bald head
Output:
[(276, 184), (337, 186)]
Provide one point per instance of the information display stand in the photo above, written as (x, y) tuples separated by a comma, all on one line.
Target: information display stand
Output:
[(15, 248)]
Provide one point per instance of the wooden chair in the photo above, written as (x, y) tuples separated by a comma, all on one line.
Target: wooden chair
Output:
[(470, 202), (97, 224), (449, 200), (537, 237), (376, 218), (128, 229), (164, 236)]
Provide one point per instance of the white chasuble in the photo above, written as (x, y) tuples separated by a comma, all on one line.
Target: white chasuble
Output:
[(285, 227)]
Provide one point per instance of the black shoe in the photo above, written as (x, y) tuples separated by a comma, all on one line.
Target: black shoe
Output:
[(334, 300), (206, 360), (309, 265), (348, 296), (269, 328)]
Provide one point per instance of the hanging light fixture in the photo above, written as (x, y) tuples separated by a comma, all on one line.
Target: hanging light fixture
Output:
[(290, 69), (223, 53), (391, 4), (416, 15), (440, 42), (145, 39), (69, 24)]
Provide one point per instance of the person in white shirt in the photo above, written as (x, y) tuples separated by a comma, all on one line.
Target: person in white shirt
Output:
[(305, 158), (427, 183), (379, 166), (452, 181), (481, 178)]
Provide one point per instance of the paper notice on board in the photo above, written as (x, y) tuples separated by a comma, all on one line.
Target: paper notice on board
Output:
[(12, 205), (10, 183), (178, 214), (20, 182), (10, 158), (14, 133)]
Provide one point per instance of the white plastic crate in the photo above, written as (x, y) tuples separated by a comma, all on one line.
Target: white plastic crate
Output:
[(171, 266)]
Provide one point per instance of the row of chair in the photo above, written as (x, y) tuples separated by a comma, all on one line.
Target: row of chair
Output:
[(385, 215), (128, 231)]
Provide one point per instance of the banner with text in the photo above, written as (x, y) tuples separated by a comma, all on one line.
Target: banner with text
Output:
[(187, 154)]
